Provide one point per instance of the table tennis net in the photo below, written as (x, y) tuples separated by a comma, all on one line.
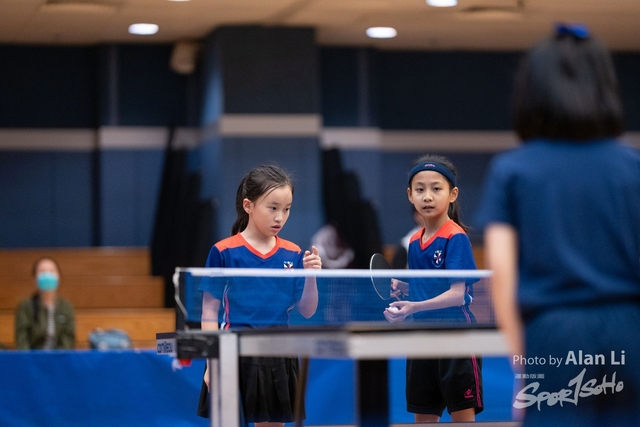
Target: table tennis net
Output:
[(255, 298)]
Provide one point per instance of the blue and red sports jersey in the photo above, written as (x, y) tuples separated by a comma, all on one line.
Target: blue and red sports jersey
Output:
[(449, 248), (251, 302)]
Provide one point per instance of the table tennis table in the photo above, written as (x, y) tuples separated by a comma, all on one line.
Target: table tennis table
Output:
[(369, 344)]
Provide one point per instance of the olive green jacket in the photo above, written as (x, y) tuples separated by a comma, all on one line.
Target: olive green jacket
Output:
[(31, 328)]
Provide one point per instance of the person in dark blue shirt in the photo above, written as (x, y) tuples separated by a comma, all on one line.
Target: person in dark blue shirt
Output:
[(561, 216), (263, 203), (436, 384)]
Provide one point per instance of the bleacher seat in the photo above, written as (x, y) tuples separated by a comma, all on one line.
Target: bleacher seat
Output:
[(108, 287)]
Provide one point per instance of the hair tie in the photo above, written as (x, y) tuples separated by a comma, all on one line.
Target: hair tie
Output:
[(432, 166), (579, 31)]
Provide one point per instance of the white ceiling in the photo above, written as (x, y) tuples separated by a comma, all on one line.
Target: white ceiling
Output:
[(472, 25)]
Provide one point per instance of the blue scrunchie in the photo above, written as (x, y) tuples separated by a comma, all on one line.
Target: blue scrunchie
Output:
[(577, 30)]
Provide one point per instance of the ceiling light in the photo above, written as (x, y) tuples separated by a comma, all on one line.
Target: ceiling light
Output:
[(442, 3), (142, 29), (381, 32)]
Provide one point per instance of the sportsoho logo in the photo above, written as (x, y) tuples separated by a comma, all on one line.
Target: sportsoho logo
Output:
[(577, 388)]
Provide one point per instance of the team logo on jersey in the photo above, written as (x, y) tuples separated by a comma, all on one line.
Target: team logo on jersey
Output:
[(437, 258), (288, 265)]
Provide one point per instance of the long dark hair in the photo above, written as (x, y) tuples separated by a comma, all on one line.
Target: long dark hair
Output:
[(454, 208), (34, 268), (566, 88), (254, 185)]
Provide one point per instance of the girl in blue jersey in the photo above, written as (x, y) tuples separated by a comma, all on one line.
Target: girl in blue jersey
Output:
[(561, 215), (436, 384), (263, 204)]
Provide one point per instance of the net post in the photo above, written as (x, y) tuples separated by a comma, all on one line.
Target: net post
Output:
[(181, 311), (229, 379)]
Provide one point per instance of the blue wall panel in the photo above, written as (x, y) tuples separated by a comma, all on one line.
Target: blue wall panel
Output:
[(339, 84), (118, 198), (268, 70), (418, 90), (383, 181), (207, 159), (73, 196), (149, 167), (45, 86), (129, 189), (368, 166), (27, 199), (211, 83), (440, 90), (150, 93), (46, 199), (448, 90)]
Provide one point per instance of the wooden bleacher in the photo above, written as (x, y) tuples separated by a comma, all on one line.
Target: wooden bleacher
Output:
[(108, 287)]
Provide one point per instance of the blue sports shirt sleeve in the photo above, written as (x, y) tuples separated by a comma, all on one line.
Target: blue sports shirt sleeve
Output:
[(460, 256), (213, 285), (459, 253), (496, 204)]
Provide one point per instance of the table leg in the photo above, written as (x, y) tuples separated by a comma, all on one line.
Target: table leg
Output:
[(373, 393), (229, 380), (214, 394), (301, 391)]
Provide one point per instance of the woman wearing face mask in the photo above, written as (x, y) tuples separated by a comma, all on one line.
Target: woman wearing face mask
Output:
[(45, 321)]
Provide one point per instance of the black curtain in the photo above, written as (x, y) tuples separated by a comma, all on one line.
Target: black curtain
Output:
[(183, 231), (356, 221), (354, 217)]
